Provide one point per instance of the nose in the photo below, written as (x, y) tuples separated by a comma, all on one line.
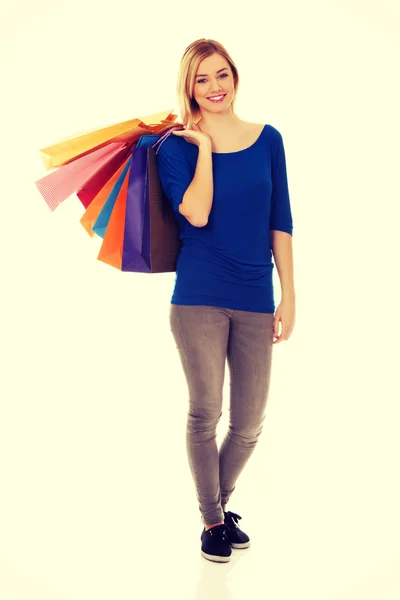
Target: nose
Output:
[(215, 91)]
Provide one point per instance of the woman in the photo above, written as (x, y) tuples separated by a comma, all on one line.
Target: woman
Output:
[(226, 180)]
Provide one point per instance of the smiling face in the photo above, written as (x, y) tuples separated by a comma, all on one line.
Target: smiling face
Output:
[(214, 77)]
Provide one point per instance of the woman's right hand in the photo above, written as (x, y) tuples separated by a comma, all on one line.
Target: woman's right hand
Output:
[(193, 134)]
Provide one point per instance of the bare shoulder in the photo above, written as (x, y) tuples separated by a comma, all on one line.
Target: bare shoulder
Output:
[(251, 132), (252, 127), (241, 137)]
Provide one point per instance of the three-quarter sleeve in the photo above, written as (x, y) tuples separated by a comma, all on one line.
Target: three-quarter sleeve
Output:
[(281, 214), (175, 171)]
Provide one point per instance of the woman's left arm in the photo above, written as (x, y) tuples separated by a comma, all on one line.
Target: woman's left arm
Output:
[(281, 244)]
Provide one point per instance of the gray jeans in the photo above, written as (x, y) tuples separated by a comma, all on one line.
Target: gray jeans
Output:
[(205, 337)]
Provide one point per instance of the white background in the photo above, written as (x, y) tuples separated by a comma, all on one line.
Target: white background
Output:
[(97, 499)]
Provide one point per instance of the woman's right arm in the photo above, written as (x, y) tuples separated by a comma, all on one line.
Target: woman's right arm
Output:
[(197, 200)]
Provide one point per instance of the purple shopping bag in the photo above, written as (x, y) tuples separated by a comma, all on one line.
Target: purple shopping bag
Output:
[(151, 231)]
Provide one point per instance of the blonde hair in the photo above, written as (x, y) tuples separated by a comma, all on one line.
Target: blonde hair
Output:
[(197, 51)]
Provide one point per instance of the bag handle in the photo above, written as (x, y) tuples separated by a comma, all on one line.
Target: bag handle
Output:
[(163, 137)]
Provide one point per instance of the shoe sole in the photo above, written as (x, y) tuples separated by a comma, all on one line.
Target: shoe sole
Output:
[(215, 558), (240, 546)]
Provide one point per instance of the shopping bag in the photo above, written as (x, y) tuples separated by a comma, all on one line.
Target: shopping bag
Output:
[(143, 233), (60, 184), (98, 164), (89, 190), (90, 215), (151, 242), (111, 247), (102, 220), (145, 141), (128, 131)]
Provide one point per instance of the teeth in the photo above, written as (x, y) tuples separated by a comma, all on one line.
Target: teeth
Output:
[(216, 97)]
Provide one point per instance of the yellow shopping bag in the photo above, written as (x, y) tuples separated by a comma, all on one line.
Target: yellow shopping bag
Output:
[(70, 148)]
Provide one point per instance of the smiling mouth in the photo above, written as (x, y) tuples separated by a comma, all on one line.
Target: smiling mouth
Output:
[(221, 98)]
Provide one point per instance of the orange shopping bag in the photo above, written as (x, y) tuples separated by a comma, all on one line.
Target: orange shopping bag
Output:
[(113, 241)]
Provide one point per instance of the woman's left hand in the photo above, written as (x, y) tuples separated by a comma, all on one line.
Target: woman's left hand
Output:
[(285, 313)]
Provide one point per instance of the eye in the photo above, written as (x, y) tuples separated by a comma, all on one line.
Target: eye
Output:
[(222, 75)]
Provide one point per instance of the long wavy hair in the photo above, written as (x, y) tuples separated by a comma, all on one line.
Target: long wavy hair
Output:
[(188, 109)]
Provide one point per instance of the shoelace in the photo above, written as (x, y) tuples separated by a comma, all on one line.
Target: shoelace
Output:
[(231, 519)]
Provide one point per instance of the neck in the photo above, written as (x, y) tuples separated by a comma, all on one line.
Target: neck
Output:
[(218, 123)]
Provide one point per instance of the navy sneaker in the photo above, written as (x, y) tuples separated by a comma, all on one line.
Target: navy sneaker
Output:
[(215, 545), (236, 537)]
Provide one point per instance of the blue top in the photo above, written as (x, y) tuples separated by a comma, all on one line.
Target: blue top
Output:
[(228, 262)]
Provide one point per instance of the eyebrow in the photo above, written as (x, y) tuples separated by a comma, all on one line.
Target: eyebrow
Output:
[(205, 74)]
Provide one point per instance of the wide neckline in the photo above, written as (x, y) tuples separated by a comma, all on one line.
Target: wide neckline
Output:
[(243, 149)]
